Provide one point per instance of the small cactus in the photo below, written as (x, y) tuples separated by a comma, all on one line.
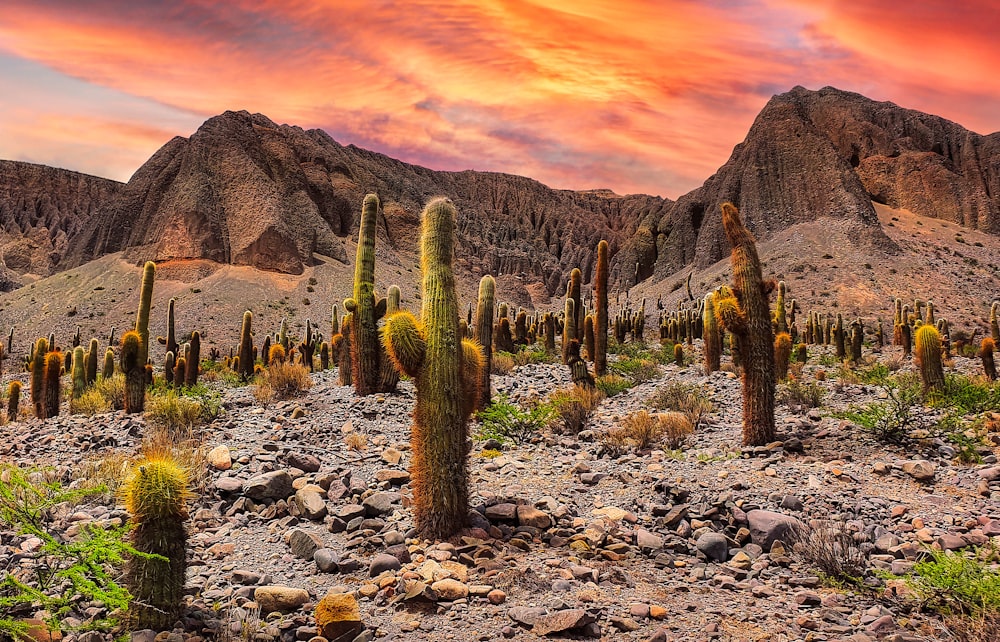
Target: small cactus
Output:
[(13, 399), (679, 354), (135, 373), (38, 377), (986, 350), (193, 360), (79, 371), (54, 363), (782, 355), (92, 361), (108, 370), (927, 344), (710, 335), (169, 362)]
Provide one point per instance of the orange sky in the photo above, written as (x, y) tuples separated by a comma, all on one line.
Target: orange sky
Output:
[(633, 95)]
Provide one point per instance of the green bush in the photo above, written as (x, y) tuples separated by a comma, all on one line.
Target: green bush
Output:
[(889, 421), (612, 384), (632, 350), (689, 398), (505, 421), (953, 583), (801, 395), (638, 370), (967, 395)]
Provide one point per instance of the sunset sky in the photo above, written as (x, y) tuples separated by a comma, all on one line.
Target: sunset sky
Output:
[(632, 95)]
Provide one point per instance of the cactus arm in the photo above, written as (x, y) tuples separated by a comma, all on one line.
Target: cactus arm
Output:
[(403, 338)]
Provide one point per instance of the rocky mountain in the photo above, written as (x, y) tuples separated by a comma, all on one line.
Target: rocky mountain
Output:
[(245, 191)]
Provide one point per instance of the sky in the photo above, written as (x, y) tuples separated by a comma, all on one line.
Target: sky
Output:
[(635, 96)]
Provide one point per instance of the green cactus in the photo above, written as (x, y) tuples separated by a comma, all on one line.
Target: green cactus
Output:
[(573, 292), (679, 354), (108, 370), (801, 354), (747, 316), (366, 312), (483, 333), (79, 371), (929, 320), (283, 335), (857, 339), (156, 495), (995, 321), (169, 362), (569, 328), (588, 336), (710, 336), (193, 360), (782, 355), (577, 366), (927, 344), (38, 377), (324, 355), (446, 371), (54, 364), (91, 361), (388, 375), (780, 320), (180, 368), (170, 340), (549, 323), (601, 310), (343, 349), (246, 346), (142, 316), (13, 399), (840, 338), (334, 320), (135, 372)]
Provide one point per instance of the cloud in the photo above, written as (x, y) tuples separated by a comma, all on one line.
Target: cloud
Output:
[(635, 95)]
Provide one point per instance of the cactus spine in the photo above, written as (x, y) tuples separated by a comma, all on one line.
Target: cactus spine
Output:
[(54, 363), (927, 344), (446, 371), (79, 371), (366, 354), (142, 316), (601, 310), (246, 346), (484, 335), (711, 336), (156, 495), (135, 372), (746, 315)]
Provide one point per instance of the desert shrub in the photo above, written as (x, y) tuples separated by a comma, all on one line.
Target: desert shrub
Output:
[(574, 406), (641, 430), (691, 399), (876, 375), (968, 395), (173, 411), (637, 370), (847, 375), (505, 421), (113, 390), (532, 354), (356, 441), (263, 394), (106, 471), (799, 395), (503, 363), (889, 421), (834, 551), (954, 583), (90, 403), (632, 350), (217, 371), (63, 572), (612, 384), (287, 380)]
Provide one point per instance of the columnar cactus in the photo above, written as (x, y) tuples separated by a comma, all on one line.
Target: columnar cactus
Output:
[(135, 372), (13, 399), (54, 363), (388, 375), (92, 362), (446, 372), (577, 366), (549, 323), (601, 310), (710, 335), (927, 344), (142, 316), (108, 370), (169, 361), (79, 371), (193, 360), (747, 316), (170, 341), (366, 354), (588, 336), (995, 321), (840, 338), (573, 292), (857, 339), (38, 377), (782, 355), (483, 333), (246, 346), (986, 350), (156, 495), (780, 320), (334, 320), (342, 346), (569, 328)]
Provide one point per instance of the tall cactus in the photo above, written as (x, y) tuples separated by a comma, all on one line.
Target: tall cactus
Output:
[(780, 320), (995, 322), (135, 372), (986, 350), (342, 346), (92, 361), (246, 346), (927, 352), (446, 371), (79, 371), (38, 377), (54, 363), (782, 355), (366, 353), (483, 333), (334, 320), (142, 316), (169, 362), (746, 315), (13, 399), (108, 370), (601, 310), (193, 360), (170, 341), (711, 336), (573, 292), (388, 375), (156, 495), (569, 328)]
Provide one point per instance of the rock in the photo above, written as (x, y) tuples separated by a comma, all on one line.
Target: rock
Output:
[(714, 545), (496, 596), (501, 512), (391, 456), (808, 598), (526, 615), (350, 512), (273, 485), (220, 458), (919, 469), (338, 617), (299, 413), (303, 544), (327, 560), (383, 562), (531, 516), (305, 463), (767, 527), (647, 541), (310, 503), (791, 502), (283, 599), (991, 474), (560, 621), (229, 485), (450, 590), (393, 477), (380, 503)]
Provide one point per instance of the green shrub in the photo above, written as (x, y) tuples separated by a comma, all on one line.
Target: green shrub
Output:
[(632, 350), (532, 354), (505, 421), (968, 395), (800, 395), (173, 411), (691, 399), (112, 390), (954, 583), (612, 384), (889, 421), (638, 370)]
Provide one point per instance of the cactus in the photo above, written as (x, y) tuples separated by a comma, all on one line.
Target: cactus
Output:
[(521, 328), (679, 354), (156, 495), (193, 360), (79, 371), (324, 355), (801, 354), (142, 316), (549, 323), (601, 310), (135, 375), (573, 292), (588, 336), (483, 333), (840, 338), (994, 322), (388, 375), (343, 348), (857, 339), (170, 340), (780, 320), (276, 354), (929, 320), (283, 335), (577, 366), (38, 377), (905, 338), (169, 362), (986, 350), (54, 363), (91, 361), (13, 399), (446, 372), (108, 370), (746, 315), (366, 355), (569, 328), (710, 335), (782, 355), (927, 344), (246, 346)]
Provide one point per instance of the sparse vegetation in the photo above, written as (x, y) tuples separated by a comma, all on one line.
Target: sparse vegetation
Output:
[(286, 380), (506, 421), (690, 399)]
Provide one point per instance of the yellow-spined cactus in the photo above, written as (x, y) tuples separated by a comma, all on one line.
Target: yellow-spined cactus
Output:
[(156, 494), (927, 352)]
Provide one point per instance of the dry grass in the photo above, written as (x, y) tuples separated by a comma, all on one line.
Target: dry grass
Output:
[(641, 430), (833, 550), (503, 363), (690, 399), (263, 394), (173, 412), (90, 403), (356, 441), (287, 380), (108, 470), (574, 406), (113, 390)]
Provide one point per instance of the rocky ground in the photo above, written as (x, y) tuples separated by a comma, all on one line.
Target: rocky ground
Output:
[(565, 540)]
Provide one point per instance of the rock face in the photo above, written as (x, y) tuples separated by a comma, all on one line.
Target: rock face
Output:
[(825, 154)]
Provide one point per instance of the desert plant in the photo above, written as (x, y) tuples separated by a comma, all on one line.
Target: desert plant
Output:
[(637, 370), (90, 403), (193, 360), (54, 362), (112, 389), (483, 333), (569, 327), (889, 421), (79, 372), (601, 310), (986, 349), (38, 377), (108, 370), (952, 582), (13, 399), (927, 343), (366, 354), (612, 384), (744, 312), (574, 406), (246, 360), (173, 411), (446, 372), (712, 350), (800, 395), (286, 380), (156, 495), (782, 355), (688, 398), (832, 549), (135, 375), (91, 362), (142, 315), (506, 421)]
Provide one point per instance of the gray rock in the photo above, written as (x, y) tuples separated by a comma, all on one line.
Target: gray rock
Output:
[(305, 463), (327, 560), (381, 563), (303, 544), (380, 503), (310, 504), (767, 527), (274, 485), (919, 469), (714, 545)]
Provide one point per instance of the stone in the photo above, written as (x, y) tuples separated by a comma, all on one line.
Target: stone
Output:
[(767, 527), (990, 474), (393, 477), (501, 512), (273, 485), (305, 463), (808, 598), (560, 621), (349, 512), (327, 560), (647, 541), (229, 485), (531, 516), (220, 458), (450, 589), (919, 469), (526, 615), (304, 544), (338, 617), (383, 562), (283, 599), (380, 503), (496, 596), (714, 545), (310, 503)]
